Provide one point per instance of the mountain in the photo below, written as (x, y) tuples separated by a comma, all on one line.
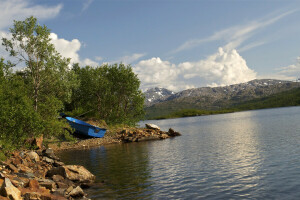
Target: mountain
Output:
[(215, 98), (155, 95)]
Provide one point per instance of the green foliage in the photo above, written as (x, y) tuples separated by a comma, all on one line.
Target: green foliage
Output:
[(49, 81), (112, 91), (18, 118)]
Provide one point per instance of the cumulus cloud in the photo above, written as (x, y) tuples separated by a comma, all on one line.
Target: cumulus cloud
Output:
[(20, 9), (219, 69), (66, 48), (155, 72), (69, 49)]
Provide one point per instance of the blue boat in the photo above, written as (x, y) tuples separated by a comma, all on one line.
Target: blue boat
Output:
[(86, 129)]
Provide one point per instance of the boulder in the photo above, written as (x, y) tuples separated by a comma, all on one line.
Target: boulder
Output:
[(48, 160), (50, 153), (73, 172), (33, 156), (9, 190), (173, 133), (152, 126), (47, 183), (77, 192)]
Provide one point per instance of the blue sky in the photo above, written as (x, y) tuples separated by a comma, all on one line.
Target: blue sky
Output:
[(173, 44)]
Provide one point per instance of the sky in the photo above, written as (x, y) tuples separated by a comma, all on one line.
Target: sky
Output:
[(174, 44)]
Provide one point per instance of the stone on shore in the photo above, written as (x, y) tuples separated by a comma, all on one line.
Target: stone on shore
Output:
[(23, 176), (34, 156), (72, 172), (9, 190), (152, 126)]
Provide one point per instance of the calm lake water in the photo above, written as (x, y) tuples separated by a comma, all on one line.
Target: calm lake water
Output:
[(245, 155)]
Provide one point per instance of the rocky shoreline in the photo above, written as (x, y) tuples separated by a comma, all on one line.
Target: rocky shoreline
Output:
[(151, 132), (40, 175)]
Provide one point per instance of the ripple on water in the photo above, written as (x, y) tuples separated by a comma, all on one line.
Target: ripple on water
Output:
[(246, 155)]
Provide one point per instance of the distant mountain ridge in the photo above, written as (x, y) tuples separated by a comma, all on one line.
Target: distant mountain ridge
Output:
[(213, 98), (155, 95)]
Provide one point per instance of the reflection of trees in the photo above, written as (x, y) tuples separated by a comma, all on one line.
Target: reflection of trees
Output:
[(126, 170), (123, 168)]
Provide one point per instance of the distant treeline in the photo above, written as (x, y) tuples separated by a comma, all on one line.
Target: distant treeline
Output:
[(283, 99)]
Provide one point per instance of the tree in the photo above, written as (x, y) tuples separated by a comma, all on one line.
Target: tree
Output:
[(17, 116), (112, 91), (47, 76), (46, 71)]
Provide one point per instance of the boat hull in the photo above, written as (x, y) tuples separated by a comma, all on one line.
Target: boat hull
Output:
[(86, 129)]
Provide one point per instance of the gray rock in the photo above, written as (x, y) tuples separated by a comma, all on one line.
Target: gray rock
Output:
[(77, 192), (152, 126), (48, 160), (33, 156)]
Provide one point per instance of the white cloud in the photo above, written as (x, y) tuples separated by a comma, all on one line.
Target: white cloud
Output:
[(234, 36), (219, 69), (86, 5), (291, 72), (66, 48), (98, 58), (155, 72), (20, 9), (69, 49), (129, 59), (89, 62)]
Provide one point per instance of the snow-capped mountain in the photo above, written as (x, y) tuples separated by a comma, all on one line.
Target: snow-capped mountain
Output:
[(155, 95)]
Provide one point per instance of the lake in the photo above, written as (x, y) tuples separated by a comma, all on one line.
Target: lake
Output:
[(243, 155)]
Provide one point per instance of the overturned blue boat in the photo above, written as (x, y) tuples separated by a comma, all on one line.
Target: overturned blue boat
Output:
[(86, 129)]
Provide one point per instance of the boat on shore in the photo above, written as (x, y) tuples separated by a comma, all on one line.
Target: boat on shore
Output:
[(85, 129)]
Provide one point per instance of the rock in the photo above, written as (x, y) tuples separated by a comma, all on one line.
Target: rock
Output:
[(50, 153), (26, 175), (58, 163), (152, 126), (69, 189), (13, 168), (77, 192), (33, 156), (9, 190), (164, 136), (38, 141), (62, 185), (47, 183), (173, 133), (34, 184), (48, 160), (72, 172), (57, 178), (24, 169), (60, 192)]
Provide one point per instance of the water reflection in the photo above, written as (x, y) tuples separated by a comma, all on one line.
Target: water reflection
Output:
[(246, 155), (124, 170)]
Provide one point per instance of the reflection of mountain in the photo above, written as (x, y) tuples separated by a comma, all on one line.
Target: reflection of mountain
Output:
[(207, 98)]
